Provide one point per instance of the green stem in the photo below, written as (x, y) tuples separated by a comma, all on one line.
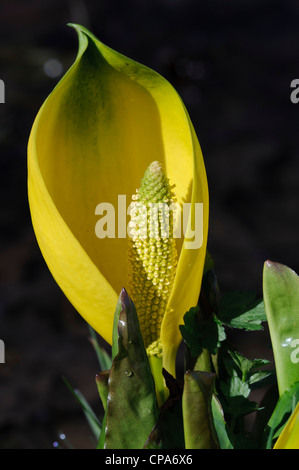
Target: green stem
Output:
[(203, 362), (156, 368)]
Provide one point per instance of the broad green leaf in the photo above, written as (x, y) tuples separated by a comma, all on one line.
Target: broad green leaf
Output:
[(281, 298), (240, 406), (236, 404), (238, 387), (131, 405), (200, 333), (242, 310), (198, 420)]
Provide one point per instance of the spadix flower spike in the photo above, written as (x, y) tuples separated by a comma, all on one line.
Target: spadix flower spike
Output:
[(104, 123), (152, 254)]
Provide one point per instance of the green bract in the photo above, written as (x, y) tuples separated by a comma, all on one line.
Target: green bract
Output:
[(281, 299)]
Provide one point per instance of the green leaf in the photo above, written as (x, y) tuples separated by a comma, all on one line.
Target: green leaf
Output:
[(198, 420), (102, 355), (91, 417), (248, 367), (282, 411), (261, 377), (238, 406), (118, 309), (131, 405), (235, 386), (242, 310), (101, 379), (281, 298), (199, 333), (102, 385), (220, 424), (169, 432)]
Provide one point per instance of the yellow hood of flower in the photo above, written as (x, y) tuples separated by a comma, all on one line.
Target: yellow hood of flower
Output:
[(289, 437), (104, 123)]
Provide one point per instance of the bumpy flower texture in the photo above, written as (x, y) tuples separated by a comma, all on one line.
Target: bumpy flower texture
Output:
[(152, 254)]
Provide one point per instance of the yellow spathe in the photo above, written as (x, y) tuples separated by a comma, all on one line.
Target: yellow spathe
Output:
[(104, 123), (289, 437)]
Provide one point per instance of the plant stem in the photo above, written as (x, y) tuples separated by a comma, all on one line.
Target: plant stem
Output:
[(156, 368)]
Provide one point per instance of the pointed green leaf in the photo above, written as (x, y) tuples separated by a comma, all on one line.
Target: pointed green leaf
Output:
[(102, 384), (103, 378), (131, 405), (101, 442), (198, 420), (281, 298), (115, 326), (90, 416), (261, 377), (220, 424), (102, 355)]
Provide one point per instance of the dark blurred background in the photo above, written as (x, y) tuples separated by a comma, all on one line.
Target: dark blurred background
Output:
[(232, 62)]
